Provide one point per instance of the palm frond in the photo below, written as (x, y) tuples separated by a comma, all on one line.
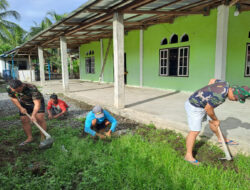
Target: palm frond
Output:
[(4, 4), (10, 13)]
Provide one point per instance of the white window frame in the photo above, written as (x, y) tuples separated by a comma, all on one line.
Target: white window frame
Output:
[(164, 59), (247, 61), (183, 57), (92, 64)]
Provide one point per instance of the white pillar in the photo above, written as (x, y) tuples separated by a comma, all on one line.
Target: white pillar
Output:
[(64, 62), (141, 57), (221, 42), (118, 38), (80, 64), (71, 66), (41, 63), (101, 43), (30, 69)]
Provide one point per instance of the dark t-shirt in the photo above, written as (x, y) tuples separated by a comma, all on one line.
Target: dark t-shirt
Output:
[(214, 94), (29, 93)]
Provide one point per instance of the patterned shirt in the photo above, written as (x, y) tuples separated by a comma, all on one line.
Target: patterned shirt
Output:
[(28, 94), (213, 94)]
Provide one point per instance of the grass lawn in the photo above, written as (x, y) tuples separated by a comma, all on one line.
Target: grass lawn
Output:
[(145, 159)]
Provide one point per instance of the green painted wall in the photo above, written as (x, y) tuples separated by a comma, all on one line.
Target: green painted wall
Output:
[(132, 50), (239, 28), (83, 50), (202, 35), (96, 46), (202, 39)]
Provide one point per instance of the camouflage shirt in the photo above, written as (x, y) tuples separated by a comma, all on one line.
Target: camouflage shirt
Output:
[(214, 94), (29, 93)]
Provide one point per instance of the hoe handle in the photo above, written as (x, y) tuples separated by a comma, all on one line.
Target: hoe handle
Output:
[(226, 151), (39, 127)]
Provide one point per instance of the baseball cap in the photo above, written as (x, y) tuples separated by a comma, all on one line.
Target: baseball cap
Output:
[(98, 111), (241, 93)]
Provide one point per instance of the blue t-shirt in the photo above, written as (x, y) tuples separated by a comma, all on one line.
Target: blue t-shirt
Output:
[(91, 116), (213, 94)]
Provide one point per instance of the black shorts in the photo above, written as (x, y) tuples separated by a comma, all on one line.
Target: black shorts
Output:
[(30, 108), (100, 126)]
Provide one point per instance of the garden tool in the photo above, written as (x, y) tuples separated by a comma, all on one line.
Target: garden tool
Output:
[(225, 148), (47, 143)]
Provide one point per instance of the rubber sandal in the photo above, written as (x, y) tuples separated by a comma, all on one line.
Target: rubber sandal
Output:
[(196, 162), (230, 142), (25, 143)]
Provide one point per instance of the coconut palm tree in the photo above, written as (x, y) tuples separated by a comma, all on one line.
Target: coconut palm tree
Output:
[(46, 22), (15, 36), (56, 17), (6, 25)]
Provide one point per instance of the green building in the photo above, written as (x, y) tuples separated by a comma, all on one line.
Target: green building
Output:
[(182, 55)]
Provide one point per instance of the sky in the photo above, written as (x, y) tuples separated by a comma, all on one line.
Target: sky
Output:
[(35, 10)]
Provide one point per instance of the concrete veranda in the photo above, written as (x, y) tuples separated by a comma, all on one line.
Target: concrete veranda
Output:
[(163, 108)]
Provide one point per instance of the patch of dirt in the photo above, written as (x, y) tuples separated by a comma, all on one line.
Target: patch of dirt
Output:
[(6, 156), (37, 169), (202, 150)]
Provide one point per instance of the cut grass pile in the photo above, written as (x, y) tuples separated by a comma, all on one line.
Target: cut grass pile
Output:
[(146, 159)]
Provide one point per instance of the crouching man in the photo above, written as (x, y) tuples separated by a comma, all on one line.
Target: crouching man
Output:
[(28, 100), (97, 121), (202, 103), (56, 107)]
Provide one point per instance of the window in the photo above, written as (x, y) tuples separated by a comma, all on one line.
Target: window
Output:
[(22, 65), (164, 62), (174, 61), (247, 71), (174, 39), (90, 65), (164, 41), (185, 38), (183, 61)]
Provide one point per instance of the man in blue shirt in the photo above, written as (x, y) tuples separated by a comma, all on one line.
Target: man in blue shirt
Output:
[(97, 121)]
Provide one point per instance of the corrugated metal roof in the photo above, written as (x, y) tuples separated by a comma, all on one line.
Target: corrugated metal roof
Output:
[(94, 19)]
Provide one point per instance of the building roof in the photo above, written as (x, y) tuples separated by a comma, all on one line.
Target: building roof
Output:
[(93, 20)]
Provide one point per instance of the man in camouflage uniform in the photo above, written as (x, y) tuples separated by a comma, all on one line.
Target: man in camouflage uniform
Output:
[(202, 103), (29, 100)]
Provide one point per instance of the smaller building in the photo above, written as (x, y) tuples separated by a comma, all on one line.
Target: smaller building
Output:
[(16, 66)]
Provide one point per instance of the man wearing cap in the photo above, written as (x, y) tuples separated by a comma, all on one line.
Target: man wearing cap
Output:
[(56, 107), (28, 100), (97, 121), (202, 103)]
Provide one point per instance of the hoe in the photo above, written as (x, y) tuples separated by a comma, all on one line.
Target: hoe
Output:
[(225, 148), (47, 143)]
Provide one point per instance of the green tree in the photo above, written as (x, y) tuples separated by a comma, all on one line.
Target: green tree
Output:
[(15, 36), (6, 25), (4, 47), (50, 18)]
